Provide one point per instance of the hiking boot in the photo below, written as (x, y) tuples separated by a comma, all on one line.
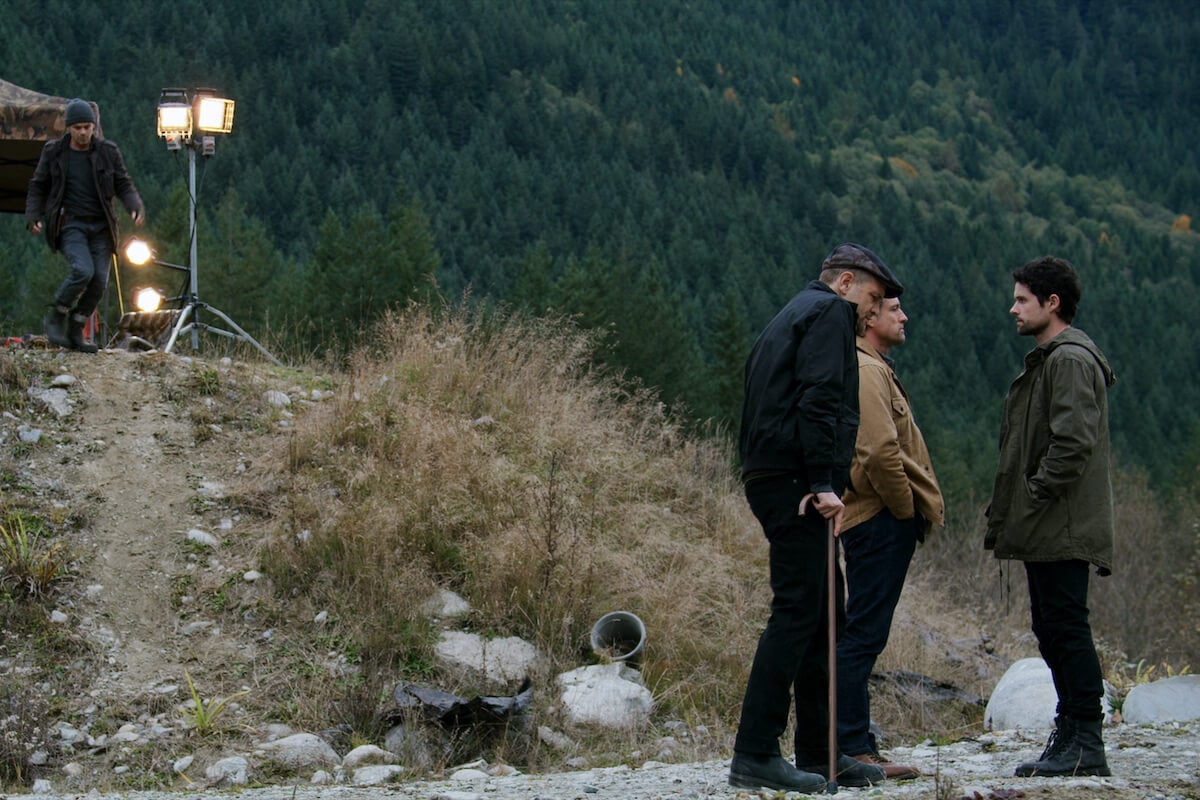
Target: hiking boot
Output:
[(849, 772), (772, 772), (891, 770), (55, 323), (75, 335), (1075, 747)]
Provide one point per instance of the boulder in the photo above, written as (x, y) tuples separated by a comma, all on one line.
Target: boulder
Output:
[(502, 661), (611, 695), (1024, 699), (1168, 700), (301, 752)]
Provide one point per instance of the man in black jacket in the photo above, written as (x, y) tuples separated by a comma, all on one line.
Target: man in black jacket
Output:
[(796, 443), (71, 198)]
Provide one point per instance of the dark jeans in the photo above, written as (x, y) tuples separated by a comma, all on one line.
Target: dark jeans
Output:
[(88, 249), (792, 655), (877, 554), (1058, 604)]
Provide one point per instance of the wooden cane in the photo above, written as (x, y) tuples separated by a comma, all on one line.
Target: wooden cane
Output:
[(831, 624)]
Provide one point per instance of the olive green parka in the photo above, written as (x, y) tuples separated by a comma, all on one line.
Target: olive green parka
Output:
[(1052, 499)]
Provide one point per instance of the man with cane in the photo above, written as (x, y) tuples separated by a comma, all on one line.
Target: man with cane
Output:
[(796, 443)]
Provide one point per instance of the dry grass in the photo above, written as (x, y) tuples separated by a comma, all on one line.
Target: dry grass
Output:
[(481, 454)]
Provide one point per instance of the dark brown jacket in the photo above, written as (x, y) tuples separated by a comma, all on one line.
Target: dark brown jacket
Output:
[(48, 186)]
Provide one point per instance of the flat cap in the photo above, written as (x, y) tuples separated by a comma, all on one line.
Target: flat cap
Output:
[(854, 256)]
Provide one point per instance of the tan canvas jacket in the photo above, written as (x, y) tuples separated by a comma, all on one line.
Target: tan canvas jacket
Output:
[(891, 467)]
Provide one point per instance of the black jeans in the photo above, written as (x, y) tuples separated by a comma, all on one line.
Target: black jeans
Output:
[(88, 248), (878, 552), (791, 662), (1058, 604)]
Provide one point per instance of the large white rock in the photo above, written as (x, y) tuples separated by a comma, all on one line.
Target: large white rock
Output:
[(1024, 699), (500, 660), (301, 751), (611, 695), (1170, 699)]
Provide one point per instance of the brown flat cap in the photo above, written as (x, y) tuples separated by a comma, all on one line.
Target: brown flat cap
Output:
[(855, 256)]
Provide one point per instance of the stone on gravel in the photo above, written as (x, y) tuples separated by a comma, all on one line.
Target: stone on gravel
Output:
[(611, 695), (301, 751)]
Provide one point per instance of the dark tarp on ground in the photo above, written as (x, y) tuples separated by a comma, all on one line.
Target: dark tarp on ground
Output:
[(27, 120)]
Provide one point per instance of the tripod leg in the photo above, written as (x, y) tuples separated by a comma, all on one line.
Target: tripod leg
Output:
[(188, 310)]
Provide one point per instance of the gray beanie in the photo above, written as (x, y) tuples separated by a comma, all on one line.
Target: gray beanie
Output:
[(79, 111)]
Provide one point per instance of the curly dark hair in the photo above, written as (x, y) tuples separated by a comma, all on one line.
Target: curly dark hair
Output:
[(1047, 275)]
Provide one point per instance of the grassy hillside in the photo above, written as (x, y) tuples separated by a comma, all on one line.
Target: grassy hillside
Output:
[(457, 450)]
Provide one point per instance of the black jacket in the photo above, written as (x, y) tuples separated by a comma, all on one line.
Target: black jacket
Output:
[(47, 187), (801, 408)]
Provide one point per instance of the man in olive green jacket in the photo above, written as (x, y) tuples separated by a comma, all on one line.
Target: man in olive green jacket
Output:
[(894, 500), (1052, 502)]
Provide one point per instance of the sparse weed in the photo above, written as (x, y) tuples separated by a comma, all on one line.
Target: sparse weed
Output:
[(27, 559), (202, 715)]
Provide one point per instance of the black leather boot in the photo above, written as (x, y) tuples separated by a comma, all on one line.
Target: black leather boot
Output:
[(55, 323), (75, 335), (772, 772), (1075, 747)]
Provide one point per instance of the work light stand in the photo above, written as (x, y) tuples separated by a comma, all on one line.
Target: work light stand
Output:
[(189, 316)]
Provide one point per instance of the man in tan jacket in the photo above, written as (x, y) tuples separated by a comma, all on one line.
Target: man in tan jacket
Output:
[(894, 501)]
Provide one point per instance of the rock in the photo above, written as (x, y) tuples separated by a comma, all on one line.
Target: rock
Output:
[(1174, 699), (1024, 698), (277, 399), (232, 771), (321, 778), (58, 617), (250, 576), (63, 381), (468, 775), (376, 775), (500, 660), (559, 741), (301, 751), (29, 435), (611, 695), (42, 786), (54, 399), (202, 538), (447, 605), (367, 755), (181, 765)]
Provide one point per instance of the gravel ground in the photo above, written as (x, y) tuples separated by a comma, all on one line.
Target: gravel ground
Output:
[(1148, 763)]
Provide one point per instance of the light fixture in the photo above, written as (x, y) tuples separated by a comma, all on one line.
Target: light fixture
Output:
[(190, 119), (137, 252), (214, 114), (174, 115), (147, 299)]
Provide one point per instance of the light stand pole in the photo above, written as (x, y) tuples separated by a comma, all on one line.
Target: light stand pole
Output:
[(181, 114)]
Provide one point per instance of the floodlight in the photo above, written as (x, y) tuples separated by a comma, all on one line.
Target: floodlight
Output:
[(147, 299), (137, 252), (174, 120), (214, 115)]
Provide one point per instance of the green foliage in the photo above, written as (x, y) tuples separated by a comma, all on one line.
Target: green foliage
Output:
[(203, 715), (671, 184)]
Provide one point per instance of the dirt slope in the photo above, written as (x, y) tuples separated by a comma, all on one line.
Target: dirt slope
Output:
[(148, 449)]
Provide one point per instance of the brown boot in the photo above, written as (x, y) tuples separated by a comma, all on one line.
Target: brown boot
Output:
[(893, 771)]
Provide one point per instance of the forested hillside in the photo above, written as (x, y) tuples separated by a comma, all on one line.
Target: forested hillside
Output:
[(672, 171)]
